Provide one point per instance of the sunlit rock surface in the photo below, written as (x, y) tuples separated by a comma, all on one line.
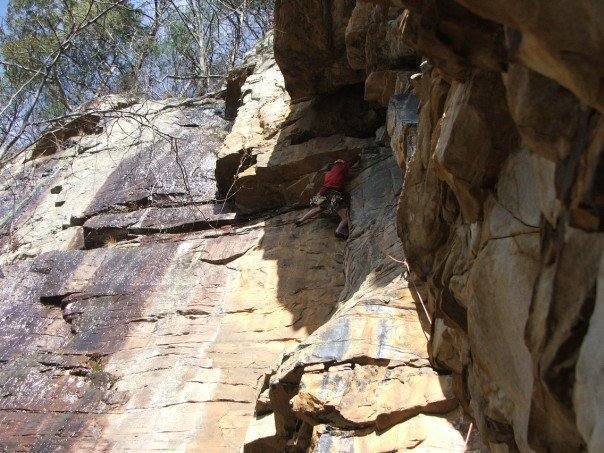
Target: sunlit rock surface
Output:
[(155, 293), (272, 156), (363, 380), (152, 329), (500, 136)]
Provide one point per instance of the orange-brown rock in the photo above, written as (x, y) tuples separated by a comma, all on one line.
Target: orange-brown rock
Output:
[(147, 312), (365, 372), (493, 253), (452, 38), (374, 40), (423, 433), (543, 39), (470, 110), (169, 302), (271, 156), (156, 338), (380, 86), (310, 45)]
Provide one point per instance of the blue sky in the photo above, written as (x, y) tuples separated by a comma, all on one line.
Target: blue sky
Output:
[(3, 4)]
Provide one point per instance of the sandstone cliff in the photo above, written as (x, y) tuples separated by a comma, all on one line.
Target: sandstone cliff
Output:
[(500, 213), (155, 293), (152, 276)]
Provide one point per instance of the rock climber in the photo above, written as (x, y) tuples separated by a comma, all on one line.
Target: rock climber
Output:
[(332, 199)]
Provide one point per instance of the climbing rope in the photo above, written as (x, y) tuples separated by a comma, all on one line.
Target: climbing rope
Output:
[(404, 263)]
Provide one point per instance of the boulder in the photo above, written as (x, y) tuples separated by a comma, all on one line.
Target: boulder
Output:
[(422, 433)]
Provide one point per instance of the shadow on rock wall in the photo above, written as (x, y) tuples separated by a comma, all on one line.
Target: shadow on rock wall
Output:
[(362, 380)]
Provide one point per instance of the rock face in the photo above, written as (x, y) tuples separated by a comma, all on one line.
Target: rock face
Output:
[(272, 156), (500, 214), (363, 380), (155, 293), (139, 312), (310, 45), (328, 390), (153, 283)]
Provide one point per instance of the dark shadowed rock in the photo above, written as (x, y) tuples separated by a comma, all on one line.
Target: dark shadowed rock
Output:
[(498, 196), (310, 46)]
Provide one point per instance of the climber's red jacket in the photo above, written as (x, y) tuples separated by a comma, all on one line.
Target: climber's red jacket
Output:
[(335, 178)]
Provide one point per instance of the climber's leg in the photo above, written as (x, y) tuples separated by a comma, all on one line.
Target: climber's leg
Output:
[(314, 212), (342, 229)]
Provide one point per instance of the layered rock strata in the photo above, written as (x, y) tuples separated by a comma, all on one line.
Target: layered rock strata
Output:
[(152, 278), (156, 295), (328, 389), (139, 310), (500, 214), (363, 381)]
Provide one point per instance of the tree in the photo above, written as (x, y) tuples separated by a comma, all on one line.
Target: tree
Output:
[(210, 37), (57, 54)]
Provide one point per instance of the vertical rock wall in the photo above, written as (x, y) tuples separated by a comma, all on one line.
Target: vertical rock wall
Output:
[(517, 156), (500, 213), (139, 311), (325, 394), (155, 293)]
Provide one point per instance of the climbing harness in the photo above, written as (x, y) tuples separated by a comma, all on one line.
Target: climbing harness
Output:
[(317, 200)]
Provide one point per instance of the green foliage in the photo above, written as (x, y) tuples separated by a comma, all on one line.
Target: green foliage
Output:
[(97, 58), (57, 54)]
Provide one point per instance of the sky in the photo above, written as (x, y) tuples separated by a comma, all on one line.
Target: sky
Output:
[(3, 4)]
